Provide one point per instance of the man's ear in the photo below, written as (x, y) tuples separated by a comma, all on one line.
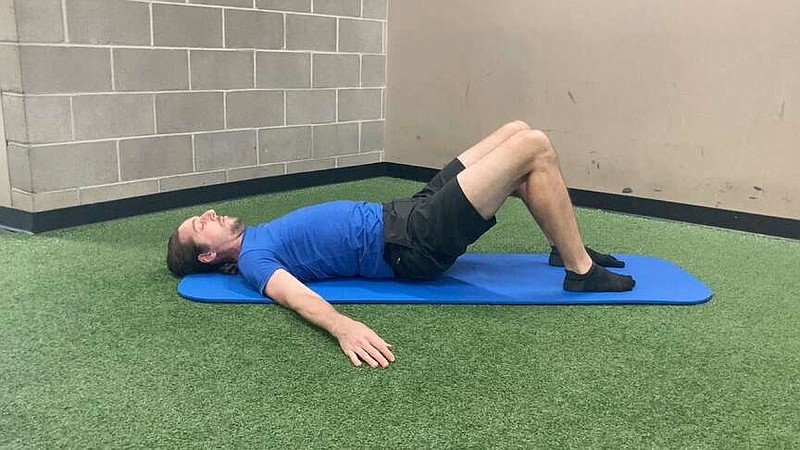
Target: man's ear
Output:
[(207, 257)]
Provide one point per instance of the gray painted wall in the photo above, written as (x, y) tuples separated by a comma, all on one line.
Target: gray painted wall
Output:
[(686, 101)]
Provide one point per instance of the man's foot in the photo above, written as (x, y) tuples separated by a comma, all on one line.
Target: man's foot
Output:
[(598, 279), (599, 258)]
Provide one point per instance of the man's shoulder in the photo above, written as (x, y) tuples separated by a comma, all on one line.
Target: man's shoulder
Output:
[(257, 240)]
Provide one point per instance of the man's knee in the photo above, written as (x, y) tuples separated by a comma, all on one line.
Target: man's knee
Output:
[(516, 127), (536, 141), (538, 147)]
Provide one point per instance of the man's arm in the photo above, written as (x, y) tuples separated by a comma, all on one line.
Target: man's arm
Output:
[(357, 341)]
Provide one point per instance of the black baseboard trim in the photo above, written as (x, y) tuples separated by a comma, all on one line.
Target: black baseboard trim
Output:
[(117, 209), (701, 215)]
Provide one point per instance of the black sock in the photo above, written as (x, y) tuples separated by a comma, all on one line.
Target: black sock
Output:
[(600, 258), (597, 279)]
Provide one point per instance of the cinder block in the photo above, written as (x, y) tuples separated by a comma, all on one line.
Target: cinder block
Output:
[(359, 160), (37, 120), (108, 22), (338, 7), (65, 69), (307, 107), (39, 21), (109, 192), (19, 167), (252, 109), (373, 70), (310, 165), (359, 104), (284, 144), (335, 71), (360, 36), (372, 136), (47, 201), (374, 9), (338, 139), (101, 116), (16, 127), (155, 157), (224, 150), (187, 26), (235, 3), (253, 29), (22, 200), (221, 69), (283, 70), (8, 21), (66, 166), (10, 79), (191, 181), (151, 70), (285, 5), (249, 173), (189, 111), (310, 33)]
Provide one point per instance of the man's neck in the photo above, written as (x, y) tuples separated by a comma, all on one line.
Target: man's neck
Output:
[(236, 248)]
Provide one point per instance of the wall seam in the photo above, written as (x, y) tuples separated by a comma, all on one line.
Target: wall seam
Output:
[(152, 28), (5, 176), (242, 8), (119, 162), (184, 133), (195, 91), (174, 47), (72, 117), (64, 20), (113, 81)]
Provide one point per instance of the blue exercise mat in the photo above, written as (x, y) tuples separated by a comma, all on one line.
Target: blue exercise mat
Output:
[(477, 278)]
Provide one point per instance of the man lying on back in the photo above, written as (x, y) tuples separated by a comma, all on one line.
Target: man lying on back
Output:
[(415, 238)]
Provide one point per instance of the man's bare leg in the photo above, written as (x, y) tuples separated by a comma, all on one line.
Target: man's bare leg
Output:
[(484, 147), (489, 144), (527, 160)]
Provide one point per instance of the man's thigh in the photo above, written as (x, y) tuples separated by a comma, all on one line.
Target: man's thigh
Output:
[(441, 178), (445, 224)]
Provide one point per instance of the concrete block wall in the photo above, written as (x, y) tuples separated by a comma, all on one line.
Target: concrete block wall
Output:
[(109, 99)]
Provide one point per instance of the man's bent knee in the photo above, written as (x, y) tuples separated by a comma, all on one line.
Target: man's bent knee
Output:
[(517, 126), (538, 148), (536, 138)]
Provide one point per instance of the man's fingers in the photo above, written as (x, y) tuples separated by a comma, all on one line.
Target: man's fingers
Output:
[(377, 355), (388, 354), (353, 358), (383, 347), (366, 357)]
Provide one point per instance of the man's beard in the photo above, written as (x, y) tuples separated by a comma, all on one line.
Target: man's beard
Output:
[(237, 227)]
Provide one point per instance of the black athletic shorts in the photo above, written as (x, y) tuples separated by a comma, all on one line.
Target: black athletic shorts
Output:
[(425, 234)]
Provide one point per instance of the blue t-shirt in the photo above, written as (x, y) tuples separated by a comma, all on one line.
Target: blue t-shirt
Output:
[(335, 239)]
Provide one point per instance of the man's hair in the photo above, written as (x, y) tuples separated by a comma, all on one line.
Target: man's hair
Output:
[(182, 257)]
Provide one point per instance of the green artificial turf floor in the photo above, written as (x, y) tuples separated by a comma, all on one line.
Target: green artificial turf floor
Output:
[(98, 351)]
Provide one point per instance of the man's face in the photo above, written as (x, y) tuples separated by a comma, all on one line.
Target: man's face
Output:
[(210, 230)]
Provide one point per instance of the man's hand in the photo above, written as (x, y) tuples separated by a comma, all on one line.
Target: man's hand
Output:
[(360, 343), (357, 341)]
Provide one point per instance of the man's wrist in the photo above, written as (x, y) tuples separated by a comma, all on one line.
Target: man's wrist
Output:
[(337, 324)]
